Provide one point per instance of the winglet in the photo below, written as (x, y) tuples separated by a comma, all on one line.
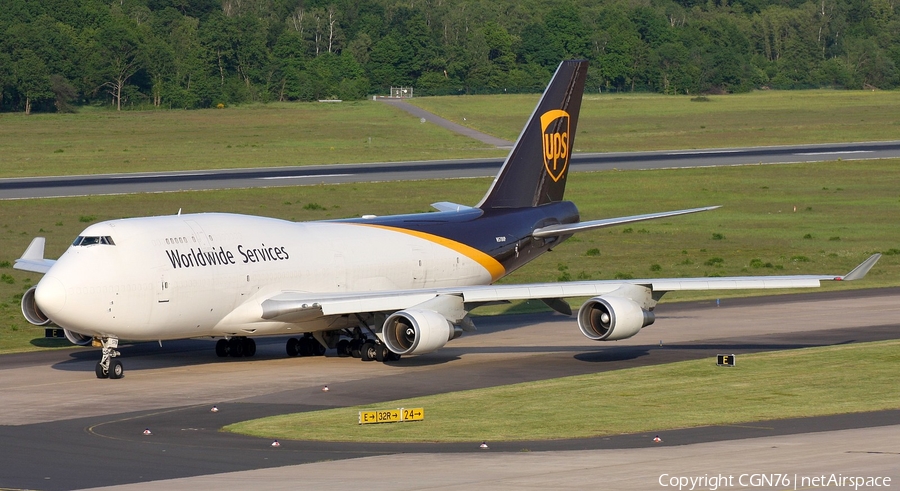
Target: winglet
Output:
[(860, 271), (35, 251), (33, 258)]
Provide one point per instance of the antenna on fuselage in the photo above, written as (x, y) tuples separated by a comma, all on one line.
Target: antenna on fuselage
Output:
[(179, 212)]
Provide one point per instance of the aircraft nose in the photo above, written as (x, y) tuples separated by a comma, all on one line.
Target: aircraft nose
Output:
[(50, 295)]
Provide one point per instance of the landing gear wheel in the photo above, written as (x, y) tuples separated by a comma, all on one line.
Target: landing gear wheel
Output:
[(380, 352), (343, 348), (291, 347), (368, 351), (391, 356), (115, 369), (236, 347), (249, 346), (318, 349), (304, 346), (222, 348), (355, 347), (100, 371)]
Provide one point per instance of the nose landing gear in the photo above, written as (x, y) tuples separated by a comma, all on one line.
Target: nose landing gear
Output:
[(109, 366)]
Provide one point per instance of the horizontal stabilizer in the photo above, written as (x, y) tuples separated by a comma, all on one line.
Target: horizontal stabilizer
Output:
[(448, 206), (571, 228), (33, 258), (860, 271)]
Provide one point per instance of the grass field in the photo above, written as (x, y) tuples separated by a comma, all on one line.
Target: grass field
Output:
[(99, 141), (102, 141), (629, 122), (842, 209), (853, 378)]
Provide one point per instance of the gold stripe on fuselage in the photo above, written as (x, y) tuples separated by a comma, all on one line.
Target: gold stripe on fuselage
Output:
[(492, 266)]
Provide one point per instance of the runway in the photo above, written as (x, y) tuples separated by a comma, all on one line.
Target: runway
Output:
[(58, 186), (65, 429)]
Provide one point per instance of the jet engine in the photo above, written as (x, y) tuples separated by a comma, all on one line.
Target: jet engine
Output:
[(416, 332), (77, 338), (612, 318), (34, 315), (31, 311)]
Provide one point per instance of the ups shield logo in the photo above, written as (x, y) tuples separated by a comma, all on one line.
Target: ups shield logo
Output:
[(555, 131)]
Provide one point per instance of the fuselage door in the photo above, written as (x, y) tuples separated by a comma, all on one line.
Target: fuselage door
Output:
[(162, 290), (199, 234)]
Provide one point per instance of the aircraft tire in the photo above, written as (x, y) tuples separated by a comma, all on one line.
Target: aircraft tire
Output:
[(100, 372), (355, 347), (318, 349), (367, 352), (116, 370), (343, 348), (236, 347), (380, 352), (222, 348), (249, 346), (304, 347), (291, 347)]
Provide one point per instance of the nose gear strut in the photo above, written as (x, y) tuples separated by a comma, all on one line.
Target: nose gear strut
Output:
[(109, 366)]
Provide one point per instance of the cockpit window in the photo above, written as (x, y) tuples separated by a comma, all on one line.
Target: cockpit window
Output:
[(90, 240)]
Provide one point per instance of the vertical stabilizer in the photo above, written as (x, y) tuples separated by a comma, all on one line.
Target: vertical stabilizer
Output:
[(535, 170)]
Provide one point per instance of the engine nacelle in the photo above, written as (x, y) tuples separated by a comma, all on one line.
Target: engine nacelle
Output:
[(612, 318), (77, 338), (416, 332), (31, 311), (34, 315)]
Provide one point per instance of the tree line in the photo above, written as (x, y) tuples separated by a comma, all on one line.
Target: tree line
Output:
[(58, 54)]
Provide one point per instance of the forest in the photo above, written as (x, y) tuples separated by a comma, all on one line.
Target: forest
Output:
[(58, 55)]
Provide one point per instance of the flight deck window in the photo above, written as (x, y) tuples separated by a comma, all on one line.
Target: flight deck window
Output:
[(89, 241)]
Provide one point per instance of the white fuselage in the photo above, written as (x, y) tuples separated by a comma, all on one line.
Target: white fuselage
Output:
[(200, 275)]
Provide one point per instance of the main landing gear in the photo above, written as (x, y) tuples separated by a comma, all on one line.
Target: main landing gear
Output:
[(109, 366), (236, 347), (359, 346), (366, 350), (305, 346)]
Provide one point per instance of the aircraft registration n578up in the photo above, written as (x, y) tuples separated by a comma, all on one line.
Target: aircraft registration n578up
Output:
[(373, 287)]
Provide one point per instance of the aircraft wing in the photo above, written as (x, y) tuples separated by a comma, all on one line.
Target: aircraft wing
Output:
[(571, 228), (33, 258), (297, 306)]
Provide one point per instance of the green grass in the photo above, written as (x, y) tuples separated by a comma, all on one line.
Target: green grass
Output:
[(100, 141), (761, 234), (631, 122), (831, 380)]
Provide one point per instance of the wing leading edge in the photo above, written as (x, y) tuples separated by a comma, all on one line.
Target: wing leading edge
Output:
[(285, 306)]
